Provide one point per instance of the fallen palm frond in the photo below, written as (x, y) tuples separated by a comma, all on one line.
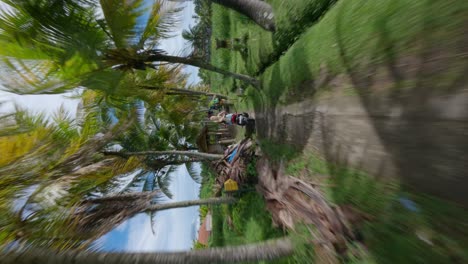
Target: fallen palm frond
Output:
[(234, 163), (293, 201)]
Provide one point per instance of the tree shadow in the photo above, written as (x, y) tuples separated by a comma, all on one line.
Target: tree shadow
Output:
[(286, 118), (420, 118)]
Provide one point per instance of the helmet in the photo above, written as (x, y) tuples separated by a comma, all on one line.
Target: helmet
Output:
[(241, 120)]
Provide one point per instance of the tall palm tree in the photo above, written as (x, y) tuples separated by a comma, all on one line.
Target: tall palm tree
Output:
[(164, 80), (52, 163), (59, 45), (95, 217), (200, 155), (265, 251), (259, 11)]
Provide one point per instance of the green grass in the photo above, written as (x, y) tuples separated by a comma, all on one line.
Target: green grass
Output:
[(250, 223), (292, 18), (277, 151), (396, 233), (264, 48), (357, 35), (352, 37)]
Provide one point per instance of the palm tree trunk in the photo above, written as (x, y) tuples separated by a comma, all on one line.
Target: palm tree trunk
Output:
[(181, 91), (159, 207), (259, 11), (188, 91), (266, 251), (123, 197), (159, 164), (227, 141), (156, 56), (201, 155), (209, 201)]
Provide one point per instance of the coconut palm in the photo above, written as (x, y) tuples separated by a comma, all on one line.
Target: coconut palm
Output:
[(50, 165), (266, 251), (160, 82), (53, 46), (201, 155), (92, 211), (259, 11)]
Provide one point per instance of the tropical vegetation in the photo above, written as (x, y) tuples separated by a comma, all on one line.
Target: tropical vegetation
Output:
[(61, 176)]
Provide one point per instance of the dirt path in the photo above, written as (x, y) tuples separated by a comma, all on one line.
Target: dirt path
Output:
[(421, 138)]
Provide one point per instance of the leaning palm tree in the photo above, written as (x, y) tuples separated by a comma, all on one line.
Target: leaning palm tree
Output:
[(259, 11), (48, 165), (163, 80), (53, 46), (199, 155), (265, 251), (96, 217)]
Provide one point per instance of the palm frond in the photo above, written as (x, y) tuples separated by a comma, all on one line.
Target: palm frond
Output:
[(164, 180), (46, 45), (21, 121), (56, 28), (193, 172), (136, 183), (121, 19), (162, 19)]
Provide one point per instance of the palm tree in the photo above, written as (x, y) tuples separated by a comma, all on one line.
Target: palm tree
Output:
[(200, 155), (193, 35), (259, 11), (165, 80), (56, 46), (95, 217), (264, 251), (52, 163)]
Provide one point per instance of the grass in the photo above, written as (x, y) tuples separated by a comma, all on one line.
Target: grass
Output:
[(356, 35), (250, 222), (405, 227), (352, 37), (264, 48), (277, 151)]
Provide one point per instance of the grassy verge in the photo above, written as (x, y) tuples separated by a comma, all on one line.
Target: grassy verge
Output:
[(405, 227), (355, 36), (247, 221), (352, 38), (263, 47)]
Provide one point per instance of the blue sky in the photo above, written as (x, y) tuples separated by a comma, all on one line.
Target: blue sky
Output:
[(171, 230)]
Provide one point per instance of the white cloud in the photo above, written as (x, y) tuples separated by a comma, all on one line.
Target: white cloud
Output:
[(47, 104)]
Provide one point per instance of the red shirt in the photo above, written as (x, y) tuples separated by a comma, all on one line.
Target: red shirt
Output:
[(233, 118)]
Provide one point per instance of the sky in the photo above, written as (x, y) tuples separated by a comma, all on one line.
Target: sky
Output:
[(171, 230), (175, 229), (177, 45)]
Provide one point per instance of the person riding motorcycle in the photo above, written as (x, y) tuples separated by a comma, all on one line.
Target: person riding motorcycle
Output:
[(231, 118)]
